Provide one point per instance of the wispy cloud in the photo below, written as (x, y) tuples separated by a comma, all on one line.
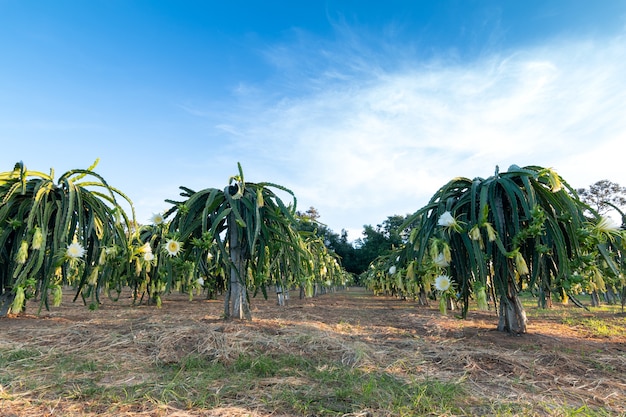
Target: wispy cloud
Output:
[(364, 140), (362, 123)]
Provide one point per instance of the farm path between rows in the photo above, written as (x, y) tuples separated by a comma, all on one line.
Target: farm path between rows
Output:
[(553, 362)]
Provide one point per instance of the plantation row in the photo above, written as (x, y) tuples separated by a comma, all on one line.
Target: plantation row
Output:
[(477, 241), (489, 239), (75, 232)]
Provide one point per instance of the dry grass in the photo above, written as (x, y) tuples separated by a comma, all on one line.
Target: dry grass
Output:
[(554, 370)]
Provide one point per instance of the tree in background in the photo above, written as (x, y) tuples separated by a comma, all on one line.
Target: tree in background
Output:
[(603, 195), (336, 243), (350, 257), (382, 239), (357, 256), (311, 215)]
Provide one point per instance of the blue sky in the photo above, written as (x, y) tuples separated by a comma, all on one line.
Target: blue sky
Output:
[(362, 108)]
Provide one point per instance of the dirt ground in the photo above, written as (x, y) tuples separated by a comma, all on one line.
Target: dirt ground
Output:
[(552, 363)]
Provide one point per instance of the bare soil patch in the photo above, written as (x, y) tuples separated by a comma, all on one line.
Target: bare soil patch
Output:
[(553, 364)]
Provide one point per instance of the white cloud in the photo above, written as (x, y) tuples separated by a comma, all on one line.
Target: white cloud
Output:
[(371, 143)]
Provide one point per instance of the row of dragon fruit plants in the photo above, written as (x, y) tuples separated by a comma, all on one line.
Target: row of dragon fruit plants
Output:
[(74, 232), (483, 241)]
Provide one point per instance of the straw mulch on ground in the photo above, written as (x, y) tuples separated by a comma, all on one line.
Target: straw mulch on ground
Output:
[(553, 363)]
